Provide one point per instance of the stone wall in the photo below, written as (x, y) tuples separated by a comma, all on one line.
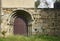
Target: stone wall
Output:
[(47, 21), (17, 3), (44, 21), (7, 19)]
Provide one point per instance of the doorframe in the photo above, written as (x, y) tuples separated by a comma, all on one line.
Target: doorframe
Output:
[(12, 18)]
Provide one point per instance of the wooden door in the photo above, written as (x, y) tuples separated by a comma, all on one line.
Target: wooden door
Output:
[(20, 26)]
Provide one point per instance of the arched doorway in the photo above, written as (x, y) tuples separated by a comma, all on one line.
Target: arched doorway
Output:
[(20, 20)]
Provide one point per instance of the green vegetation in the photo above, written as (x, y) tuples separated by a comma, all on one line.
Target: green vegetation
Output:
[(31, 38)]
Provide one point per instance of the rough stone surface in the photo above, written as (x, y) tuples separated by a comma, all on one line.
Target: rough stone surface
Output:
[(45, 21)]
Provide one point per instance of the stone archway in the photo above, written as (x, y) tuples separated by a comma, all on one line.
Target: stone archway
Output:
[(25, 17)]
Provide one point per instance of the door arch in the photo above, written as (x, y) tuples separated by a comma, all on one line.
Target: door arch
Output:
[(24, 16)]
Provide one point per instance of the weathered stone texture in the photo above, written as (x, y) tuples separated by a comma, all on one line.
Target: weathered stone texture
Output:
[(45, 21)]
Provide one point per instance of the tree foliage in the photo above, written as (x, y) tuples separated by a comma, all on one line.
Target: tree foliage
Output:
[(37, 3)]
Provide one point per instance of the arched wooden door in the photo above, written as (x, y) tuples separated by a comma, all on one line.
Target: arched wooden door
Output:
[(20, 26)]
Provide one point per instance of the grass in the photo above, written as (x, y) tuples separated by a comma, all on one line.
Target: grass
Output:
[(31, 38)]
